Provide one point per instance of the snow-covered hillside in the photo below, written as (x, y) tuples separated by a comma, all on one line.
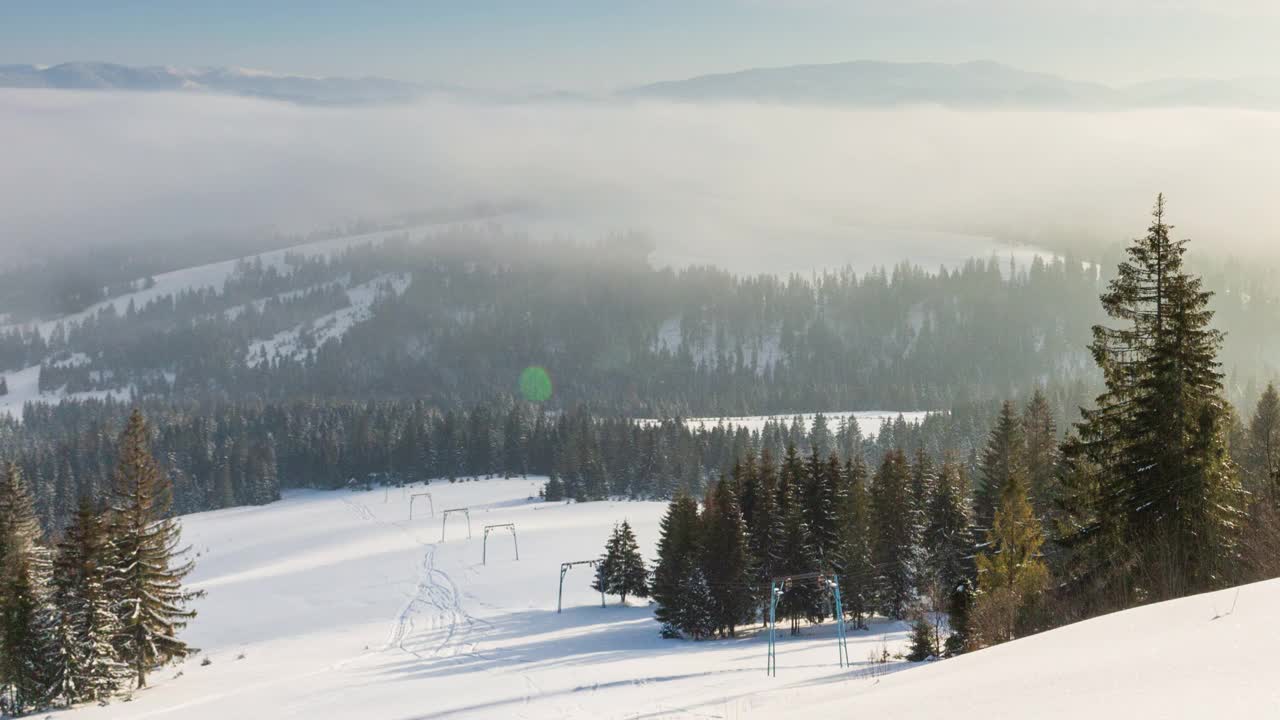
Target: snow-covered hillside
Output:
[(336, 605), (329, 605)]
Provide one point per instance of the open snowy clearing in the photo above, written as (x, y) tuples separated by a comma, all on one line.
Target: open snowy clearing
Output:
[(869, 421), (341, 607), (336, 605)]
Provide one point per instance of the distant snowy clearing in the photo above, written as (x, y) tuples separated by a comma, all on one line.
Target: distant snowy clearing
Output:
[(869, 421)]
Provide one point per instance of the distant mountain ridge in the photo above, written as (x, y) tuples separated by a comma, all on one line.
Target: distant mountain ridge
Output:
[(861, 83), (226, 81), (980, 84)]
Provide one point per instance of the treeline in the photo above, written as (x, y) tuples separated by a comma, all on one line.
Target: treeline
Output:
[(1157, 492), (239, 454), (96, 613)]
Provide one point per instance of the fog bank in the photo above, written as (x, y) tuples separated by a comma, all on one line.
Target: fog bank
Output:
[(703, 180)]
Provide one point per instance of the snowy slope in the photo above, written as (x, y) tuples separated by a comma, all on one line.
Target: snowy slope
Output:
[(331, 326), (215, 275), (341, 607), (335, 605), (1207, 656)]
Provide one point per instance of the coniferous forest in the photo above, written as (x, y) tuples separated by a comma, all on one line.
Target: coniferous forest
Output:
[(1042, 489), (1157, 491)]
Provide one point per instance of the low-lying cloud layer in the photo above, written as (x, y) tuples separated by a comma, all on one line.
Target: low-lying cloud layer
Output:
[(83, 168)]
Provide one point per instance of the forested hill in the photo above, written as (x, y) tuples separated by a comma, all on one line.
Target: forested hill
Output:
[(455, 317)]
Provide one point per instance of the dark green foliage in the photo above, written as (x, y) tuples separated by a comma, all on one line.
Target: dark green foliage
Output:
[(621, 570), (88, 667), (150, 600), (857, 575), (924, 641), (895, 543), (1040, 435), (26, 617), (726, 560), (1003, 461), (678, 586), (1152, 501)]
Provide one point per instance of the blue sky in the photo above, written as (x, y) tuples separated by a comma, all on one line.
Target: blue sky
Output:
[(588, 45)]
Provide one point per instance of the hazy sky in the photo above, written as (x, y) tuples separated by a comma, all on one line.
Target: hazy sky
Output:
[(602, 44)]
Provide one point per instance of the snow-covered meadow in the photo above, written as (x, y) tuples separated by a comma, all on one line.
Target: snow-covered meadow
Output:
[(336, 605)]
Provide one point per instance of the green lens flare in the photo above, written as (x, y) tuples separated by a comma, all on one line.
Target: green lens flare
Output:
[(535, 384)]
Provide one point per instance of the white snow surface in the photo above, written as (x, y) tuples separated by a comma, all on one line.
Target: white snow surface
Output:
[(24, 387), (343, 608), (336, 605), (331, 326), (869, 421), (215, 275)]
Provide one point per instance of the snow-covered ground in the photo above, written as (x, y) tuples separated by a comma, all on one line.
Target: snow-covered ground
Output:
[(24, 387), (336, 605), (332, 326), (869, 421)]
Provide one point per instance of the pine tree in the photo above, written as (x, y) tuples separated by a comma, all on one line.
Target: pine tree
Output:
[(894, 547), (1003, 461), (767, 530), (26, 623), (948, 535), (673, 578), (621, 569), (822, 488), (1153, 503), (856, 572), (151, 602), (1041, 438), (1262, 456), (88, 666), (726, 560), (1011, 574)]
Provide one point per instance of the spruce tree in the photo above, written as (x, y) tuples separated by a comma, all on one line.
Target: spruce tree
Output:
[(1153, 501), (726, 560), (1003, 461), (88, 668), (674, 580), (27, 634), (1011, 573), (150, 602), (1262, 456), (856, 571), (621, 569), (893, 552), (1040, 434)]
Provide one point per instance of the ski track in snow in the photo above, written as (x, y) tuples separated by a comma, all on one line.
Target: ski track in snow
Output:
[(435, 595)]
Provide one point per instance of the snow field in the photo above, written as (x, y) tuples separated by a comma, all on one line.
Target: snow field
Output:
[(334, 604)]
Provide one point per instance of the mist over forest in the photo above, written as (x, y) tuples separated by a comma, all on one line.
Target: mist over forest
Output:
[(715, 182)]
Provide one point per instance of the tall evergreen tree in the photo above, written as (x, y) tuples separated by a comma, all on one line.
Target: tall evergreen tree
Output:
[(26, 622), (1011, 574), (621, 569), (1154, 502), (893, 551), (674, 580), (856, 572), (151, 602), (726, 560), (1262, 456), (88, 668), (1040, 433), (1003, 461)]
